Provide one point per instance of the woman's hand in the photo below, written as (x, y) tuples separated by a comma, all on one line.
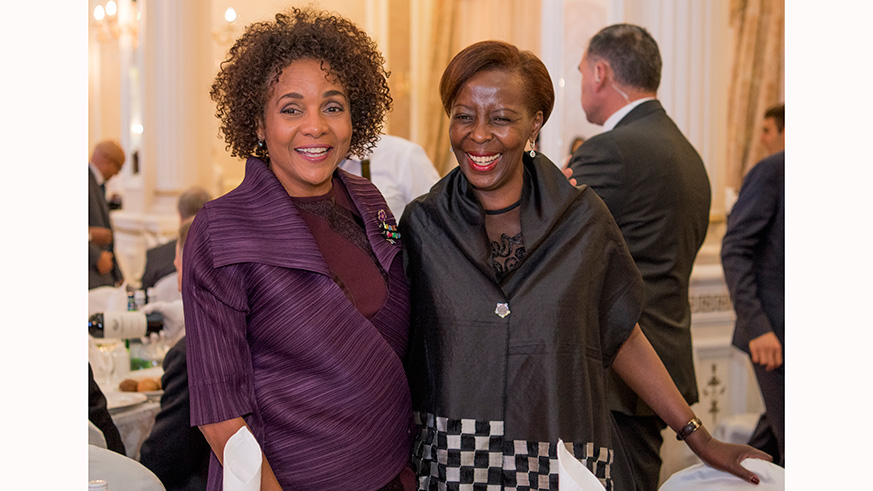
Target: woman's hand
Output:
[(725, 456), (639, 366), (217, 435)]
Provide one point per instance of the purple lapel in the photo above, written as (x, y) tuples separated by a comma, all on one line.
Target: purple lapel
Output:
[(370, 202), (258, 222)]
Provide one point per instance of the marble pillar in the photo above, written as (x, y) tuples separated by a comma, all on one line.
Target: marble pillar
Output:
[(167, 82)]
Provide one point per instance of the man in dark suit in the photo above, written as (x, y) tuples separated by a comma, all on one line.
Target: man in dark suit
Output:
[(655, 185), (753, 257), (159, 259), (175, 451), (106, 161), (98, 413)]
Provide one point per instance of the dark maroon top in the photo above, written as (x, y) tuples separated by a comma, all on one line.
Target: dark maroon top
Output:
[(339, 232), (272, 338)]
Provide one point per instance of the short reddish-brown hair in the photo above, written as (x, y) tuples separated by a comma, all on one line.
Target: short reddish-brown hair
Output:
[(487, 55)]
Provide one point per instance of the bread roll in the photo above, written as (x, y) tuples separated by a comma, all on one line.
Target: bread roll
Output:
[(147, 385), (128, 385)]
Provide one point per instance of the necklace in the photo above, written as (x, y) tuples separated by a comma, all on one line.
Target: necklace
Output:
[(504, 210)]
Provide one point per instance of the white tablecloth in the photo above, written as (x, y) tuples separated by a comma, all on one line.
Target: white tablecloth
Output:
[(119, 472), (135, 423)]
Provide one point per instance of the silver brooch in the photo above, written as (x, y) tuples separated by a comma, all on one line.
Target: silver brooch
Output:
[(502, 310)]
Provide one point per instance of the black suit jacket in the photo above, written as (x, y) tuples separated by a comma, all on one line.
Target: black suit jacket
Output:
[(98, 414), (98, 216), (753, 253), (655, 185), (159, 263), (176, 452)]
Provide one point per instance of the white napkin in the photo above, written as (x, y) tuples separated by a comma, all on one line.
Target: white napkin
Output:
[(242, 462), (572, 475)]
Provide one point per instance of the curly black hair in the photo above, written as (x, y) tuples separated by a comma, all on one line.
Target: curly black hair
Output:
[(253, 65)]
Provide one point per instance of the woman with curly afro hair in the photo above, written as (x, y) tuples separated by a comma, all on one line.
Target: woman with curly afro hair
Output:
[(296, 304)]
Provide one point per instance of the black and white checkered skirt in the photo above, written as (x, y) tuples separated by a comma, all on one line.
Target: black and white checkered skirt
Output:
[(466, 454)]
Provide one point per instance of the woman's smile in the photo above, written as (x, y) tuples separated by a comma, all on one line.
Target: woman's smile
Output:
[(483, 162), (314, 153)]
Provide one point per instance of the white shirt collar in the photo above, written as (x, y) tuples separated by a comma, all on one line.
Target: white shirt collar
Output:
[(98, 176), (621, 113)]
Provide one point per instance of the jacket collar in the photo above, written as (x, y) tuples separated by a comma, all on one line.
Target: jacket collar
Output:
[(371, 205), (546, 196), (258, 222), (641, 111)]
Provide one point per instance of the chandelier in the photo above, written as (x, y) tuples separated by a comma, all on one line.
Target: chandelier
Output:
[(107, 25), (226, 33)]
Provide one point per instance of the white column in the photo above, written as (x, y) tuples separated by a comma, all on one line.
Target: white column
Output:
[(566, 27), (177, 112), (552, 43), (171, 82)]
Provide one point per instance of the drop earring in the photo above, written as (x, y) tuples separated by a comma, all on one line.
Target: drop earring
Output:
[(533, 152)]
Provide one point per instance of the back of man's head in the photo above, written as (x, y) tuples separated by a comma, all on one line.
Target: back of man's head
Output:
[(778, 115), (109, 157), (191, 201), (109, 148), (631, 52)]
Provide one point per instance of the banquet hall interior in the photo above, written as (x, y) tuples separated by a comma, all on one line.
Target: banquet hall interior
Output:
[(151, 64)]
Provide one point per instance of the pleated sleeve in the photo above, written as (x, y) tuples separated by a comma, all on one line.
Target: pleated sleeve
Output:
[(219, 358)]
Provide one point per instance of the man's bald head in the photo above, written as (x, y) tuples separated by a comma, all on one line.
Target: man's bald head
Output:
[(108, 156)]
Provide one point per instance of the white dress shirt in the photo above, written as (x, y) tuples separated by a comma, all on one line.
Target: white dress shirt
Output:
[(400, 170), (621, 113)]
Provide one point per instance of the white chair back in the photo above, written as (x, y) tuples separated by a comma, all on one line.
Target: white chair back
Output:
[(95, 436)]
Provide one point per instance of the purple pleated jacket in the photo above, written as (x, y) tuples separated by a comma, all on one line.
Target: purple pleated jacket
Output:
[(273, 339)]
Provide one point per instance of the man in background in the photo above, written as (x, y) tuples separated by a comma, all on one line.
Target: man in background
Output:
[(175, 451), (159, 259), (655, 185), (107, 158), (98, 414), (773, 133), (398, 168), (753, 257)]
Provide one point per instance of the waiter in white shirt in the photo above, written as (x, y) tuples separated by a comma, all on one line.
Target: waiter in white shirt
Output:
[(399, 168)]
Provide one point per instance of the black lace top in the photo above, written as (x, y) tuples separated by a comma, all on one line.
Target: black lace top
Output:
[(507, 241)]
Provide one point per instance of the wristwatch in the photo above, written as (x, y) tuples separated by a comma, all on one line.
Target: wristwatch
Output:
[(689, 428)]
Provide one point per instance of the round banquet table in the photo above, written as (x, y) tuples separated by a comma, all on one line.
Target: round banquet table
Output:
[(135, 422)]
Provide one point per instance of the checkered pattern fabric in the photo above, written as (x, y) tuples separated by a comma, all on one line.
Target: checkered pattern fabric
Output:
[(465, 454)]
